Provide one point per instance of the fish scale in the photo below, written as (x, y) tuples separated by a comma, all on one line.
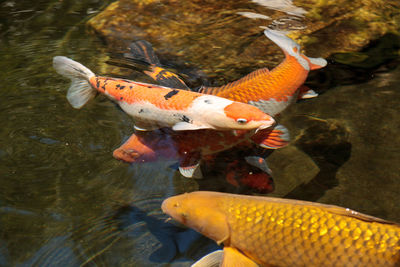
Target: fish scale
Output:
[(259, 83), (271, 235)]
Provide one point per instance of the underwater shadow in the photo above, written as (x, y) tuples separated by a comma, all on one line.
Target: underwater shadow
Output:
[(175, 241), (327, 144)]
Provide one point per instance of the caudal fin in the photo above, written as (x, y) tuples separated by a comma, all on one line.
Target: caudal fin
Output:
[(292, 48), (80, 91)]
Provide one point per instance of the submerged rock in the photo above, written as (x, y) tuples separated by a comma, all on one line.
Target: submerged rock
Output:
[(224, 37), (351, 133)]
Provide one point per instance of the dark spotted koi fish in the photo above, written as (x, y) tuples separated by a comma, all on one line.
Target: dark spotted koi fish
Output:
[(153, 106)]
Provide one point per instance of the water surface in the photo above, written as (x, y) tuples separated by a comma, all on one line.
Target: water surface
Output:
[(64, 200)]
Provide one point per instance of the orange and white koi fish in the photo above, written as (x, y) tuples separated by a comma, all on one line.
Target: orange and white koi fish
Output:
[(273, 91), (153, 106), (265, 231), (189, 147)]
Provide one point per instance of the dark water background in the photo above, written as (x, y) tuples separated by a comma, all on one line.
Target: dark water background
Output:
[(64, 200)]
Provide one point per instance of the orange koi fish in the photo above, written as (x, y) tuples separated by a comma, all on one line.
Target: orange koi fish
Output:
[(273, 91), (188, 147), (264, 231), (153, 106)]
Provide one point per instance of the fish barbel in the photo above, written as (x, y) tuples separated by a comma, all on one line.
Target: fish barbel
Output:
[(153, 106), (282, 232)]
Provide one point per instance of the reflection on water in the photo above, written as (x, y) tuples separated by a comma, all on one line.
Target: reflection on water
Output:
[(64, 199)]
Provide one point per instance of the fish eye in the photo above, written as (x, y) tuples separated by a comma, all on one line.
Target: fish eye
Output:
[(241, 121)]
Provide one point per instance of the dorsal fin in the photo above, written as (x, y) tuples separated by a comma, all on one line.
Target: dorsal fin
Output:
[(143, 51), (251, 76), (337, 210), (166, 78), (357, 215)]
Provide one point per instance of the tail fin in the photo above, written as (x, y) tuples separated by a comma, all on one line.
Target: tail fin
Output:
[(80, 91), (293, 49)]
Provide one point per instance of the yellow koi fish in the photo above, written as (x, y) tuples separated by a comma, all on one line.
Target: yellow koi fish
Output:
[(265, 231)]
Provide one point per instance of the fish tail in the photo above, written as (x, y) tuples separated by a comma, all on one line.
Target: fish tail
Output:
[(292, 48), (80, 91)]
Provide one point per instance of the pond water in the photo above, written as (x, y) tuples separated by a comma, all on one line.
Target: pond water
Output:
[(65, 201)]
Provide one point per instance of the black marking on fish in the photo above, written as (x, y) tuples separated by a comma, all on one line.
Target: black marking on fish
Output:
[(121, 98), (122, 87), (97, 83), (141, 110), (130, 87), (118, 85), (148, 86), (186, 119), (171, 94), (104, 85), (161, 75), (208, 101)]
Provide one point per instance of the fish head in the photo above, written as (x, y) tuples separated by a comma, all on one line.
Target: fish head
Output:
[(199, 211), (223, 114), (247, 117)]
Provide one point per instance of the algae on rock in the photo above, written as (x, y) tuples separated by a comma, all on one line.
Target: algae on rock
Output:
[(223, 40)]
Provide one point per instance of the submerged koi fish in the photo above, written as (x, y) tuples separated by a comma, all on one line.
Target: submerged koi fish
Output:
[(250, 174), (282, 232), (153, 106), (188, 147)]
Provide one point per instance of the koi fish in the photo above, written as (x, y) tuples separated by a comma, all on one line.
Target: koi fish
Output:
[(264, 231), (153, 106), (189, 147), (250, 174), (273, 91)]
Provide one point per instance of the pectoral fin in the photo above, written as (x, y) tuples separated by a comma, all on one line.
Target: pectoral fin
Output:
[(186, 126), (213, 259), (272, 139), (233, 258), (258, 162), (317, 63), (142, 126), (305, 92), (190, 166)]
